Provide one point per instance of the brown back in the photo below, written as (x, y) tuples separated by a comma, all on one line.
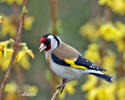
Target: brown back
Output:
[(66, 51)]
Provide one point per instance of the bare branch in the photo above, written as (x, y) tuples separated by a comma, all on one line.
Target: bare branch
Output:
[(54, 95), (53, 15), (16, 47), (54, 21)]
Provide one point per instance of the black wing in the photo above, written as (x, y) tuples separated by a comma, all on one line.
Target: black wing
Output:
[(81, 61), (59, 61)]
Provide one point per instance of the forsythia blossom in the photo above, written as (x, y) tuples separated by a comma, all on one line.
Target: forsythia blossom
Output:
[(12, 89), (8, 27), (10, 2), (117, 6), (93, 49), (88, 30), (109, 32), (28, 22), (113, 33), (6, 51)]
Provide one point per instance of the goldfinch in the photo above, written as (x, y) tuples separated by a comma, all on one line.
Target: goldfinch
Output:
[(67, 62)]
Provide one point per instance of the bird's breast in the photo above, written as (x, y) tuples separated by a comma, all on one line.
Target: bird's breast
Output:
[(64, 71)]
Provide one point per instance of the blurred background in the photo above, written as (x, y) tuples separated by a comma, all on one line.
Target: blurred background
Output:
[(94, 27)]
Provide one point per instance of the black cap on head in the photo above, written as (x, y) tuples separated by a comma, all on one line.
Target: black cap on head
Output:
[(47, 34), (55, 37)]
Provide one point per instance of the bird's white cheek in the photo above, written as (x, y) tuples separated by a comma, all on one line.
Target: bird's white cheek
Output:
[(53, 44)]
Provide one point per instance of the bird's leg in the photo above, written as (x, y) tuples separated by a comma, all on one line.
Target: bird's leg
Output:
[(62, 85)]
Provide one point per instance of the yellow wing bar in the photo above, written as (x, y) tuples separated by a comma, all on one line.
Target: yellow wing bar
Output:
[(71, 62)]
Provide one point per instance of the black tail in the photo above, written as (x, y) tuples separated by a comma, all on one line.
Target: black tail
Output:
[(103, 76)]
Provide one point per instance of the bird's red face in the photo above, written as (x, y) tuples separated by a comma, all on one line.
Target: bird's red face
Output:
[(49, 42), (45, 44)]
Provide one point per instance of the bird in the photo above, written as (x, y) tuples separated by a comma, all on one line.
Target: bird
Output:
[(67, 62)]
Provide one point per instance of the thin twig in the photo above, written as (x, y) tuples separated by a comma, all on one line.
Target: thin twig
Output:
[(16, 47), (54, 95), (54, 15), (17, 70), (53, 4)]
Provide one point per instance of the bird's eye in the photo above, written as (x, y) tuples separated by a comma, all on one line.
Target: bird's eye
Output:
[(47, 42)]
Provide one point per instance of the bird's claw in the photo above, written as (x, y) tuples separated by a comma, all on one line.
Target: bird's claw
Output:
[(59, 92), (60, 89)]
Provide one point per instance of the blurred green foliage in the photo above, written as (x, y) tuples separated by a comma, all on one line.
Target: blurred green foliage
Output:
[(71, 15), (78, 27)]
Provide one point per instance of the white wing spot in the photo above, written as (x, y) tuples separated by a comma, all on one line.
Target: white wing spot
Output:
[(90, 66)]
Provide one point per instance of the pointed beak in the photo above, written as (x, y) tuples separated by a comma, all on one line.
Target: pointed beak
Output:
[(42, 47)]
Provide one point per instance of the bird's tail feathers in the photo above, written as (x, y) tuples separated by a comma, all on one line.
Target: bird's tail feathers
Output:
[(103, 76)]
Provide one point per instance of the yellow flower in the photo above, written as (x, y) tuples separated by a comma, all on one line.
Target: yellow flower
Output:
[(5, 54), (121, 27), (3, 45), (62, 95), (69, 89), (23, 52), (106, 2), (7, 27), (90, 31), (11, 87), (120, 45), (0, 54), (10, 2), (102, 92), (12, 96), (8, 52), (20, 55), (12, 30), (24, 62), (6, 59), (93, 49), (31, 89), (121, 93), (89, 84), (29, 52), (19, 2), (118, 6), (109, 32), (121, 89), (109, 61), (105, 93), (91, 95), (102, 2), (28, 22), (120, 42)]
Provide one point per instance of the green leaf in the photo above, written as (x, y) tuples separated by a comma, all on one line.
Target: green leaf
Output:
[(48, 75), (59, 27)]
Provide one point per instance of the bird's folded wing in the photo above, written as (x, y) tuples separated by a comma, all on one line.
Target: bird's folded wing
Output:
[(80, 63), (83, 63)]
